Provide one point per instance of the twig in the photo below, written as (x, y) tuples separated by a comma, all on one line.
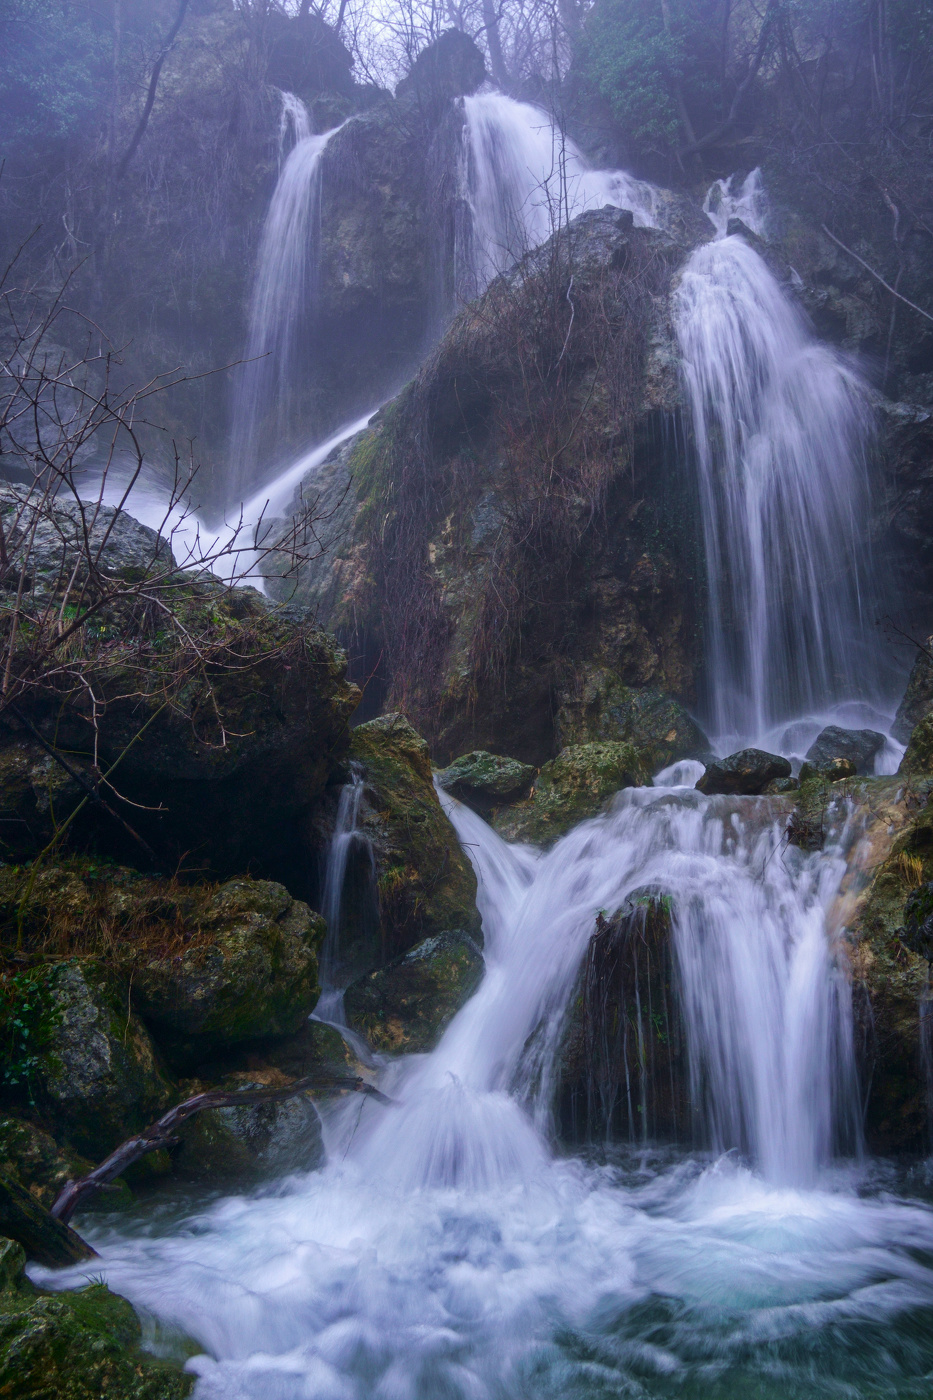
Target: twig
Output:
[(877, 275)]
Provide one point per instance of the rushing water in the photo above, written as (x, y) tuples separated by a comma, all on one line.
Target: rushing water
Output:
[(345, 834), (265, 405), (781, 425), (522, 178)]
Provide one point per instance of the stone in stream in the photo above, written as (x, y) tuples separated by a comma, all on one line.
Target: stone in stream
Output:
[(482, 780), (859, 746), (403, 1008), (746, 773)]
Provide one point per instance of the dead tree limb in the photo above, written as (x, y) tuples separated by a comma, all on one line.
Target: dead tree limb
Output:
[(877, 275), (162, 1133)]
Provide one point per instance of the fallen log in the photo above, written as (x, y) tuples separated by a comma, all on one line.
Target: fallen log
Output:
[(162, 1133)]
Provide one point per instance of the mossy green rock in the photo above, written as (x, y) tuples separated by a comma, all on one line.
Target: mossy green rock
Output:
[(425, 884), (598, 705), (403, 1008), (918, 697), (83, 1345), (578, 783), (44, 1239), (918, 757), (98, 1076), (36, 1161), (257, 977), (483, 780), (254, 1142)]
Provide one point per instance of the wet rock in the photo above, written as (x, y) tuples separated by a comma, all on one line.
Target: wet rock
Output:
[(316, 1049), (917, 701), (255, 1142), (404, 1007), (36, 1161), (622, 1073), (35, 794), (833, 770), (859, 746), (578, 783), (98, 1072), (424, 884), (918, 756), (779, 786), (747, 773), (483, 780), (254, 978), (82, 1345), (451, 67), (601, 706), (45, 1240)]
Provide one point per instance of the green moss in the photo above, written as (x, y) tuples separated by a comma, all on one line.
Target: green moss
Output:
[(918, 757), (578, 783), (83, 1345), (403, 1008), (425, 883)]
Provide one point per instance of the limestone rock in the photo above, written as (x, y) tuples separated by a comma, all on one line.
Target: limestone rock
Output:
[(578, 783), (600, 706), (98, 1074), (80, 1345), (483, 780), (917, 701), (254, 979), (256, 1141), (404, 1007), (859, 746), (36, 1161), (424, 883), (747, 772)]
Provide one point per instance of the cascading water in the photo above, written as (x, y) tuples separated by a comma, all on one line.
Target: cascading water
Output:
[(781, 424), (265, 410), (522, 178), (330, 1002)]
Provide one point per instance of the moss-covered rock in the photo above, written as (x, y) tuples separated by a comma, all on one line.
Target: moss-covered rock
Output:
[(484, 780), (33, 1157), (578, 783), (747, 772), (424, 883), (918, 757), (43, 1238), (36, 795), (857, 747), (917, 700), (404, 1007), (83, 1345), (251, 975), (598, 705), (98, 1076)]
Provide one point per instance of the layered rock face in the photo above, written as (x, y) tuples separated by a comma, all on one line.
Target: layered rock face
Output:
[(516, 534)]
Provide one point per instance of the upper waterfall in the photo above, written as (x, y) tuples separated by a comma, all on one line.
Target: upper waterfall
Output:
[(267, 398), (522, 178), (781, 424)]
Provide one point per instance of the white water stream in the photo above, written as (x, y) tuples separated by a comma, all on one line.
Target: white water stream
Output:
[(446, 1251)]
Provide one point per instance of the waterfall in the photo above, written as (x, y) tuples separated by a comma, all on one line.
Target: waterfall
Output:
[(781, 424), (346, 832), (521, 178), (266, 405)]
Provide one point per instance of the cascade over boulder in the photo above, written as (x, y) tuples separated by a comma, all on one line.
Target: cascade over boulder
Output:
[(857, 746), (577, 784), (403, 1008), (747, 773)]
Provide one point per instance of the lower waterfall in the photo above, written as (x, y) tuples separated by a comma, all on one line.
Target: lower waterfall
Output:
[(446, 1250)]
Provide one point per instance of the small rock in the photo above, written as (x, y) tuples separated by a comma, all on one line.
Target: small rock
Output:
[(746, 773), (482, 780), (403, 1008), (779, 786), (858, 745), (832, 770)]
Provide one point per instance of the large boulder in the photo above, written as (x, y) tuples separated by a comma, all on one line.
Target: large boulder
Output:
[(485, 780), (578, 783), (424, 884), (918, 756), (97, 1074), (598, 705), (248, 972), (745, 773), (403, 1008), (82, 1345), (857, 746)]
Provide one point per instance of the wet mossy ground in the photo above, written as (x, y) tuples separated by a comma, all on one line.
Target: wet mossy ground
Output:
[(577, 784)]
